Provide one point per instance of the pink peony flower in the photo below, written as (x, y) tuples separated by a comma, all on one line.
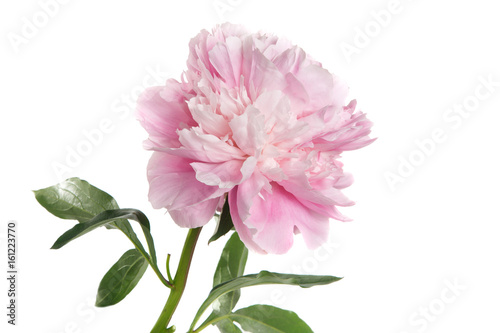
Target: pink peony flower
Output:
[(257, 120)]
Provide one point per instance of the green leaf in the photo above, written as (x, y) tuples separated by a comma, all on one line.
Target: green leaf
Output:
[(261, 319), (104, 218), (264, 277), (75, 199), (127, 229), (224, 225), (231, 265), (121, 278), (227, 326), (269, 319)]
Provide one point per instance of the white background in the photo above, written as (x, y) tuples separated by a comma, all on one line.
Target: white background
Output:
[(436, 226)]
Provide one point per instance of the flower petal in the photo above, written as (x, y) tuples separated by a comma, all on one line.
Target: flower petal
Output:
[(259, 73), (318, 83), (197, 215), (199, 146), (173, 184), (248, 131), (274, 216), (220, 59), (315, 230), (208, 119), (242, 230), (302, 188), (161, 113), (224, 175)]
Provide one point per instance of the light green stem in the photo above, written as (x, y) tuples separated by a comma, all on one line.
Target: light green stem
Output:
[(153, 265), (179, 283)]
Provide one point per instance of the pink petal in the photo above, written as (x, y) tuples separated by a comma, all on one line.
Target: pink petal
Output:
[(162, 117), (330, 196), (219, 57), (246, 191), (199, 146), (208, 120), (315, 230), (352, 135), (299, 98), (259, 73), (325, 210), (274, 216), (224, 175), (280, 123), (290, 60), (248, 131), (198, 53), (318, 83), (173, 184), (243, 231), (197, 215), (345, 180), (235, 51)]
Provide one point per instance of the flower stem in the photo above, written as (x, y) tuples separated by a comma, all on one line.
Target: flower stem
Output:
[(179, 282)]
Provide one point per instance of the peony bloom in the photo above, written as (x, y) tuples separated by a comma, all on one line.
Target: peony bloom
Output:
[(257, 121)]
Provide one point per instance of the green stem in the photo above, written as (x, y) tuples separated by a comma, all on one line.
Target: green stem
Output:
[(167, 283), (153, 265), (179, 282), (168, 269)]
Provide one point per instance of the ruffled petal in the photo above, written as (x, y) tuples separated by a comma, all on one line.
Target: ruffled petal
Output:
[(275, 215), (259, 73), (224, 175), (199, 146), (162, 113), (208, 120), (195, 216), (318, 83), (243, 231), (173, 184), (249, 132), (301, 187), (220, 59)]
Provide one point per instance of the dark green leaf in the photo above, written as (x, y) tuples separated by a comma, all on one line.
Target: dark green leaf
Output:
[(264, 277), (227, 326), (122, 277), (269, 319), (224, 225), (75, 199), (127, 229), (232, 260), (104, 218), (231, 265)]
